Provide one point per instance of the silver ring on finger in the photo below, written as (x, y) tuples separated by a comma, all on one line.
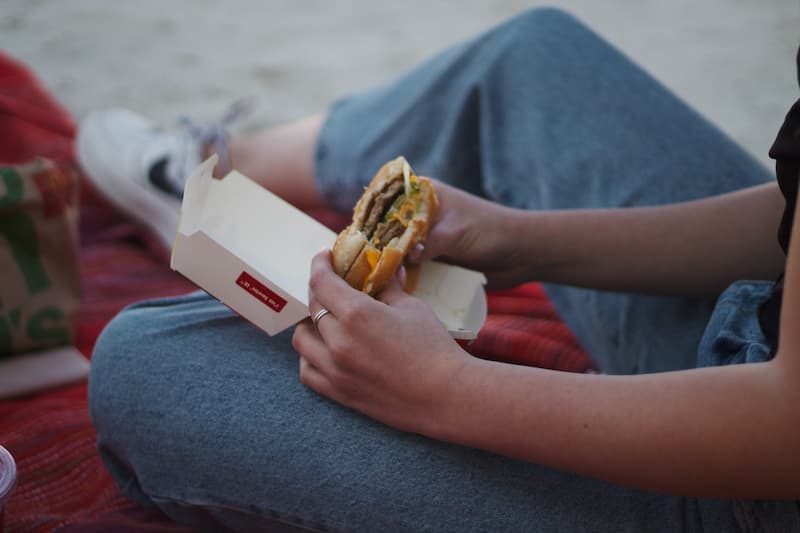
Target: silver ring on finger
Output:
[(318, 316)]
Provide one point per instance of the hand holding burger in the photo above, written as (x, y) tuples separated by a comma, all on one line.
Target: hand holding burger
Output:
[(394, 213)]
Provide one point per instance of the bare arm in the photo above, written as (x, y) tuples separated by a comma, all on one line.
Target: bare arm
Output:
[(717, 432), (727, 432), (691, 248)]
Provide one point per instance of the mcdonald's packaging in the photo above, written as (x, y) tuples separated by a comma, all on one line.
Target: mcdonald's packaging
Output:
[(40, 290), (252, 251)]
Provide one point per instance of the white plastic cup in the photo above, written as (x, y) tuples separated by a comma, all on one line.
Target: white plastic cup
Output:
[(8, 479)]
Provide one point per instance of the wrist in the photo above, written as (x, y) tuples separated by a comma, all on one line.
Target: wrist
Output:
[(538, 244), (455, 401), (521, 244)]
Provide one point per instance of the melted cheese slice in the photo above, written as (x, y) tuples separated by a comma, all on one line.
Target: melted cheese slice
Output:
[(372, 256)]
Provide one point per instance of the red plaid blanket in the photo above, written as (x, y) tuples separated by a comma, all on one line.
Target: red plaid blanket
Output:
[(62, 483)]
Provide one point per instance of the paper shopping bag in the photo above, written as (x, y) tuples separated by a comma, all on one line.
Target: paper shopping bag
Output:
[(40, 289)]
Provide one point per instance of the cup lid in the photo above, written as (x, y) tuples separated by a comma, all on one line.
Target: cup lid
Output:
[(8, 473)]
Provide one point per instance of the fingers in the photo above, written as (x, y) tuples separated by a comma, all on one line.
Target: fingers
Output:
[(310, 376), (328, 292), (314, 379), (402, 275), (308, 343), (319, 315), (393, 293), (417, 253), (318, 366), (327, 288)]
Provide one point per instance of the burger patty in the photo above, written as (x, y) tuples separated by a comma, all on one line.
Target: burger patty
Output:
[(380, 204), (387, 231)]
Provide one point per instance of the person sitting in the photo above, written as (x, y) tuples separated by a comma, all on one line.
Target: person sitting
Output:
[(557, 160)]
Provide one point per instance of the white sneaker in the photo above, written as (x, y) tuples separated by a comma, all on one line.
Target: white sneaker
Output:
[(141, 168)]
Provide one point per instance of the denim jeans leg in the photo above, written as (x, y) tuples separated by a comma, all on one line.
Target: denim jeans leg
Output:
[(202, 415)]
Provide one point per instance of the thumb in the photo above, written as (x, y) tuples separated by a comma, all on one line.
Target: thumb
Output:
[(393, 292)]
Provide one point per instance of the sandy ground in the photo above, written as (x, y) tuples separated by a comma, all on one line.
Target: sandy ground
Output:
[(732, 60)]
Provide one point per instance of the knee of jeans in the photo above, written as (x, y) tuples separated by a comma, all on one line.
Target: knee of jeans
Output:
[(112, 392), (116, 351), (538, 22), (541, 40)]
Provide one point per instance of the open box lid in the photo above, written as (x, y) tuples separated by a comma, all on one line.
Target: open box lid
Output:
[(252, 250)]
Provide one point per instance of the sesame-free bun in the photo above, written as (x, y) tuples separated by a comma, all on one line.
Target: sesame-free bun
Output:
[(387, 223)]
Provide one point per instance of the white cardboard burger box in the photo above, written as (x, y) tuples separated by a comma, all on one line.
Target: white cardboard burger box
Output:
[(252, 251)]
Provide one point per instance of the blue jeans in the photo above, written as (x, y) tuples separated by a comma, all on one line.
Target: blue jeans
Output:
[(201, 414)]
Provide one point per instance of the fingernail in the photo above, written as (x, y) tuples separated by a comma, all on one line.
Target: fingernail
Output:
[(401, 275), (416, 252)]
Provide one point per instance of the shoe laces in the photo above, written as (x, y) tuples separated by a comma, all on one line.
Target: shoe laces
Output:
[(213, 134)]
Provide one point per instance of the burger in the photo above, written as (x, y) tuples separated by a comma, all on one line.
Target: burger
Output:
[(393, 214)]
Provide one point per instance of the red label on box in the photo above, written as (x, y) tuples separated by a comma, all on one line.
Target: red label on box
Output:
[(261, 292)]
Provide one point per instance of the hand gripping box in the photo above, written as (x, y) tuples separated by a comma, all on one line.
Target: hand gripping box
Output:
[(252, 251)]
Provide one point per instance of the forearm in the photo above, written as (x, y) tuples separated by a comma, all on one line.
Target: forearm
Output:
[(725, 432), (692, 248)]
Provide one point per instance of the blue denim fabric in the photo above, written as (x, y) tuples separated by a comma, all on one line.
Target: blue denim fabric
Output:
[(734, 337), (201, 414)]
